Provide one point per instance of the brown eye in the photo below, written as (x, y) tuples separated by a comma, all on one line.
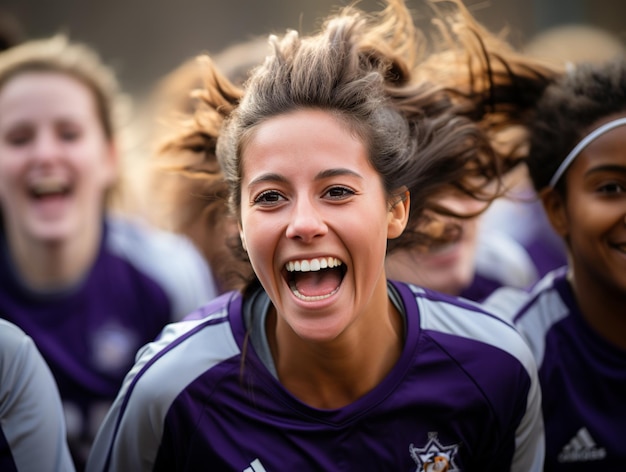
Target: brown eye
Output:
[(19, 139), (612, 188), (19, 136), (338, 193), (268, 197), (68, 132)]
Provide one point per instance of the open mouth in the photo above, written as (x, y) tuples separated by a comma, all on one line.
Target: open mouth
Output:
[(315, 279), (49, 189)]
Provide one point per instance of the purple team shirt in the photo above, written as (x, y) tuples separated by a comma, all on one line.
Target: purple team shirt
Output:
[(464, 391), (583, 379), (89, 334)]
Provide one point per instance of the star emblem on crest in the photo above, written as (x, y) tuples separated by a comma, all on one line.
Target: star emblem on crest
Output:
[(434, 456)]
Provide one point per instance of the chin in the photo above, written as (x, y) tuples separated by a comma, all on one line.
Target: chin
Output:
[(318, 331), (53, 233)]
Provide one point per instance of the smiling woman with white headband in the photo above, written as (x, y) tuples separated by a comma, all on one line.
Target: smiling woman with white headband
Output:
[(575, 318)]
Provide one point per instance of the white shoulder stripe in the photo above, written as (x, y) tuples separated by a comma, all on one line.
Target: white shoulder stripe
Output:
[(470, 321), (538, 317), (136, 420), (169, 259)]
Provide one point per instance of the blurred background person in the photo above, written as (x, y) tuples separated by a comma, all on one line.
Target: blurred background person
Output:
[(89, 286), (182, 186), (465, 258), (468, 263)]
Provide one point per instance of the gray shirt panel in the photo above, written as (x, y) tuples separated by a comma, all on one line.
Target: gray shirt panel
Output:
[(31, 416)]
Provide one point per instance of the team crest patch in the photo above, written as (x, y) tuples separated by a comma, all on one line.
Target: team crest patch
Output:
[(434, 457), (113, 347)]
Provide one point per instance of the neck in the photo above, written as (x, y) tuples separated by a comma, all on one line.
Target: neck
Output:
[(53, 265), (602, 307), (334, 374)]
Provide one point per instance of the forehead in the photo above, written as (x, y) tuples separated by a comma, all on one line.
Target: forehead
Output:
[(37, 93), (308, 136), (608, 149)]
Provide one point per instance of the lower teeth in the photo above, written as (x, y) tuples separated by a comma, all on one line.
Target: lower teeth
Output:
[(314, 298)]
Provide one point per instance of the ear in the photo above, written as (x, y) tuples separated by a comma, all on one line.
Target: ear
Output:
[(398, 215), (554, 206), (241, 236)]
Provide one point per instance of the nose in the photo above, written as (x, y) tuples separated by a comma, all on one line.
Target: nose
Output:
[(46, 147), (306, 222)]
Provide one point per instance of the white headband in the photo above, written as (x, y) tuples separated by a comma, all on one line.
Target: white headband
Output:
[(582, 145)]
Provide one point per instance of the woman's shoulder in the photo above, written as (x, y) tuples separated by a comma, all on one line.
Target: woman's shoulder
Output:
[(544, 299), (12, 339), (170, 259), (462, 327), (184, 351)]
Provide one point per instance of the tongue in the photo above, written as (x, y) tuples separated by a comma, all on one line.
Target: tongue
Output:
[(51, 206), (322, 282)]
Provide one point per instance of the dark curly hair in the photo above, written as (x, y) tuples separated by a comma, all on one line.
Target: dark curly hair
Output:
[(568, 110)]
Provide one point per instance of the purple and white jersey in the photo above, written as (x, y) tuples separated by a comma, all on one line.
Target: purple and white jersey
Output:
[(524, 219), (500, 261), (205, 396), (89, 334), (32, 428), (583, 377)]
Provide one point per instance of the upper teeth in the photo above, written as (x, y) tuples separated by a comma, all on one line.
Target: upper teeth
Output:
[(308, 265), (48, 187)]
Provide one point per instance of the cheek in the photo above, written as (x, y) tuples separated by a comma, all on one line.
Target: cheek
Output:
[(467, 261), (260, 251), (9, 175), (584, 222), (12, 157), (96, 165), (258, 238), (588, 231), (370, 249), (470, 238)]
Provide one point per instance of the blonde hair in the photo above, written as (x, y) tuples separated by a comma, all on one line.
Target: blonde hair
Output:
[(58, 54), (191, 102)]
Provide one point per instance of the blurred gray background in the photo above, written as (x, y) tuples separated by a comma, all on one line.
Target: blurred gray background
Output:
[(145, 39)]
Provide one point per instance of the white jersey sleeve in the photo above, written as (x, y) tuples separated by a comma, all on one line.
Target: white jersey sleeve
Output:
[(500, 257), (31, 416), (169, 258)]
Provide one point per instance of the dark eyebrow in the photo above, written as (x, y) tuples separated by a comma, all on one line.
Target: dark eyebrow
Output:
[(272, 177), (606, 168), (267, 178), (336, 172)]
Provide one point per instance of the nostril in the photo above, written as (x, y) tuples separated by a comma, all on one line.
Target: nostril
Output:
[(306, 228)]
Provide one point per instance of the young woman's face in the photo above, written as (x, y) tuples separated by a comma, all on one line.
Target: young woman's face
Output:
[(55, 161), (594, 215), (315, 221)]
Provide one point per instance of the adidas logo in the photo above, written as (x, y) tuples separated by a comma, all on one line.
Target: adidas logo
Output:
[(255, 466), (582, 448)]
